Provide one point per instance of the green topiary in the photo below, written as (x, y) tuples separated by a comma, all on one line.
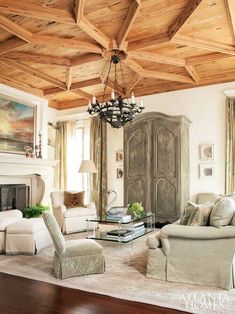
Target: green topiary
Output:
[(34, 211)]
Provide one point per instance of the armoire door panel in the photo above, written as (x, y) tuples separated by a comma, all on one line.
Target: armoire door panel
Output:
[(165, 152), (165, 198), (136, 163), (136, 148), (136, 192)]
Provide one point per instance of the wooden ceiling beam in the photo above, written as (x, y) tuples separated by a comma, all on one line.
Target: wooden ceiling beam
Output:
[(89, 28), (230, 6), (79, 60), (47, 13), (210, 57), (135, 80), (183, 18), (87, 83), (79, 6), (167, 76), (11, 44), (105, 71), (204, 44), (134, 66), (52, 91), (28, 70), (94, 32), (65, 43), (15, 29), (158, 58), (149, 41), (20, 85), (69, 78), (128, 22), (36, 58), (193, 73), (82, 94), (68, 104)]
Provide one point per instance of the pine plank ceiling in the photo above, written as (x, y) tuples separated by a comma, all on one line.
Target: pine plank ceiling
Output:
[(57, 49)]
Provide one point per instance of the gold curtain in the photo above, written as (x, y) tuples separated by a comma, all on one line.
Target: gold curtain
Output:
[(230, 146), (98, 132), (61, 155)]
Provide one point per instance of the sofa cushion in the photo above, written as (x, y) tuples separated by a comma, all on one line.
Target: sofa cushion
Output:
[(222, 212), (72, 200), (202, 215), (8, 220), (189, 209), (78, 212), (26, 226)]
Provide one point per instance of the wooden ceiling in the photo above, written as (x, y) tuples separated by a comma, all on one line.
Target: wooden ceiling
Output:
[(56, 48)]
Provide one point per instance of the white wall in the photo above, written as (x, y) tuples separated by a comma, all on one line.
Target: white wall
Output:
[(205, 107)]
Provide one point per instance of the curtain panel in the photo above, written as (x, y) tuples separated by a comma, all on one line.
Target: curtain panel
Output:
[(60, 181), (230, 146), (98, 152)]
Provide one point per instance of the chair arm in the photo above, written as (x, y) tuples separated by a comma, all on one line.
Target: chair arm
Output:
[(177, 222), (90, 205), (153, 240), (197, 232), (58, 212)]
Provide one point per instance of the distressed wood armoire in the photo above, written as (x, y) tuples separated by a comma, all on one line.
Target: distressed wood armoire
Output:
[(156, 164)]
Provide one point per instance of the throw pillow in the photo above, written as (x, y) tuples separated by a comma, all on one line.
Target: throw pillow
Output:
[(223, 212), (202, 216), (189, 209), (72, 200)]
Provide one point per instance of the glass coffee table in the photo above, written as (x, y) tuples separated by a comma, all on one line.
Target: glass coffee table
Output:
[(103, 228)]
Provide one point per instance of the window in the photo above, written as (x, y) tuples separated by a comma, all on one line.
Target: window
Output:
[(78, 149)]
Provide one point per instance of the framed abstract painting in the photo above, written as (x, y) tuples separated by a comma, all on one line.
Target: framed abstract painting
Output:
[(17, 125)]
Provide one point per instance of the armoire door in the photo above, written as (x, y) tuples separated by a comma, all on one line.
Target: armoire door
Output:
[(137, 148), (165, 196)]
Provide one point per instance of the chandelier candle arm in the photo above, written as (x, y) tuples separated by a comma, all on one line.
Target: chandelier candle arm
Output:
[(132, 98)]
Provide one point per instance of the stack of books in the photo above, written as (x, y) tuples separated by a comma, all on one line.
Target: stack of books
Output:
[(123, 234), (125, 218), (139, 228)]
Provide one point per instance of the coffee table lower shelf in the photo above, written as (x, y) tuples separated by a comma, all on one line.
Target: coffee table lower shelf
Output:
[(102, 235)]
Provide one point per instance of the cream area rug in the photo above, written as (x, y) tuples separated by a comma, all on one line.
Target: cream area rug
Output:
[(125, 278)]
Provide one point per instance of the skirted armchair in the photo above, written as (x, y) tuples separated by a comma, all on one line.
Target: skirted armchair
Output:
[(74, 257), (71, 220)]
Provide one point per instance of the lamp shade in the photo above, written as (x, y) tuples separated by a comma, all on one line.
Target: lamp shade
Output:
[(87, 166)]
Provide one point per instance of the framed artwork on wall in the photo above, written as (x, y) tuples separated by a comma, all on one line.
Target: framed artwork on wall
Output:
[(17, 125), (207, 151), (120, 173), (207, 171), (119, 155)]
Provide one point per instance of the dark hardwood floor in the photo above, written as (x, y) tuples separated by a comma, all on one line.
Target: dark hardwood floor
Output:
[(19, 295)]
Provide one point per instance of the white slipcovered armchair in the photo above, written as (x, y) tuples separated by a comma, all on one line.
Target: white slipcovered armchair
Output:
[(71, 220)]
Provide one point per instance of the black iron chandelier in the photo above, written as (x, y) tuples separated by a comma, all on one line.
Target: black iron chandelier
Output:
[(117, 111)]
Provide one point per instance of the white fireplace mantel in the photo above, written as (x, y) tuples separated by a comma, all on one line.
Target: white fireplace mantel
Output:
[(27, 161), (15, 169)]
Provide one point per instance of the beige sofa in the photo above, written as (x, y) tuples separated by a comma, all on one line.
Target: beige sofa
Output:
[(193, 254), (74, 219)]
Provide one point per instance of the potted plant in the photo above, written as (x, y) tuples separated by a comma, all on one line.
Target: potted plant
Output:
[(136, 209), (34, 211)]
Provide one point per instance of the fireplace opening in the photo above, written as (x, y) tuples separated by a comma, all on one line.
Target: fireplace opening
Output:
[(13, 196)]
